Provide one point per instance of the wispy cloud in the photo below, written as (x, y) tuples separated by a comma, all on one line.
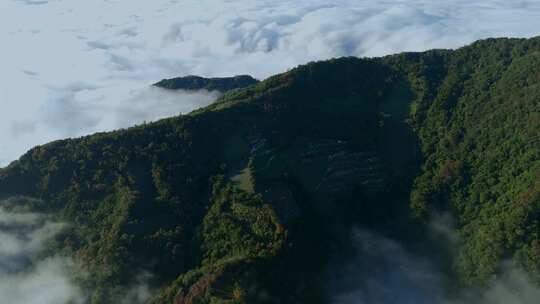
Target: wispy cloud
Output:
[(31, 275), (383, 271), (25, 279)]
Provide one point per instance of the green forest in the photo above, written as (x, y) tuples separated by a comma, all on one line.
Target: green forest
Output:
[(195, 83), (247, 200)]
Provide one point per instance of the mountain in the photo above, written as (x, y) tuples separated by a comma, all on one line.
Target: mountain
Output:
[(194, 83), (249, 199)]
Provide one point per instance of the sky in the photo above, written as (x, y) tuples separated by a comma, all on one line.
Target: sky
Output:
[(74, 67)]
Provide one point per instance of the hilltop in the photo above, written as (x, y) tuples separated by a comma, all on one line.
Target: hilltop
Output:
[(195, 83)]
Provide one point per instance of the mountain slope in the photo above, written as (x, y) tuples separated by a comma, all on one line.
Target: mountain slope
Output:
[(248, 199)]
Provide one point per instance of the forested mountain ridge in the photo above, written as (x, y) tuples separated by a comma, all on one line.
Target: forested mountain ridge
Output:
[(194, 83), (246, 200)]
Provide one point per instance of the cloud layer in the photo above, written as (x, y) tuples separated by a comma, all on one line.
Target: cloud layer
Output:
[(67, 64)]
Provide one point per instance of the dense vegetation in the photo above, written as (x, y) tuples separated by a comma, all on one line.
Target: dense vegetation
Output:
[(194, 83), (246, 200)]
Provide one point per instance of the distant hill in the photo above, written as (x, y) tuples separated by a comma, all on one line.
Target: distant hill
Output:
[(193, 83), (249, 199)]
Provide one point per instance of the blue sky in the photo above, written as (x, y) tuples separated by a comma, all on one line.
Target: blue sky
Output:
[(73, 67)]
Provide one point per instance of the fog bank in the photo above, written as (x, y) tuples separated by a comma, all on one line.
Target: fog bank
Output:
[(384, 272), (25, 278)]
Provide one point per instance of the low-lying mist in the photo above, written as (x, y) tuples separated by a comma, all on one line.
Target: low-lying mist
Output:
[(31, 274), (383, 271), (26, 277)]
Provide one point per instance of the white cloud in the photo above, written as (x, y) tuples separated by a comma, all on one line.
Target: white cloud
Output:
[(23, 278), (81, 108), (47, 283), (86, 57), (383, 271)]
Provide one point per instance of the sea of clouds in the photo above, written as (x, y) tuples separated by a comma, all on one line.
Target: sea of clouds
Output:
[(69, 68)]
